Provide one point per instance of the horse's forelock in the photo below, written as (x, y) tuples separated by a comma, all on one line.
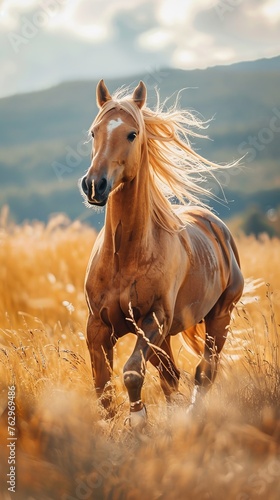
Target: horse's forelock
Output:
[(125, 104)]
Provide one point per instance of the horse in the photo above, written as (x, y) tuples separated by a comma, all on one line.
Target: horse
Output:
[(157, 268)]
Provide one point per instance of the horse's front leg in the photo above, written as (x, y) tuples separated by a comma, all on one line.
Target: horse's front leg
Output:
[(150, 335), (100, 347)]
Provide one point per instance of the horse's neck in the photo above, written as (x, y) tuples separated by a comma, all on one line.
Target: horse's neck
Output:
[(128, 219)]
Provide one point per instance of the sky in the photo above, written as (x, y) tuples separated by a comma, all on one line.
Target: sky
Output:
[(46, 42)]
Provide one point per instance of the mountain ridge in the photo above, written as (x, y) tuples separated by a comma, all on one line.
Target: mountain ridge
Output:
[(42, 129)]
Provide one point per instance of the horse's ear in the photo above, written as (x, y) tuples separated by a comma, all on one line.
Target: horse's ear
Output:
[(102, 94), (140, 95)]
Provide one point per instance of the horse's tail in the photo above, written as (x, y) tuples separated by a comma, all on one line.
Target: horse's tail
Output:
[(193, 339)]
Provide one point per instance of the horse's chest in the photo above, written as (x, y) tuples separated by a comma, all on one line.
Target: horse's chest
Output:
[(113, 295)]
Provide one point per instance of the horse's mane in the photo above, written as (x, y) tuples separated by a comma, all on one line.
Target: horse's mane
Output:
[(175, 169)]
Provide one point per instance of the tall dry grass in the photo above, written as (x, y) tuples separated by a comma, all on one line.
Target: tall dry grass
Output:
[(228, 448)]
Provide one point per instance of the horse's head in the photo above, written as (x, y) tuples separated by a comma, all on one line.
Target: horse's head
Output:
[(116, 145)]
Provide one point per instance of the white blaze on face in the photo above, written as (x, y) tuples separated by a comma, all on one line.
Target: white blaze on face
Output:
[(113, 124), (92, 190)]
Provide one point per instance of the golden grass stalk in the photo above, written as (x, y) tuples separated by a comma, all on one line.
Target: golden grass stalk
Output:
[(64, 450)]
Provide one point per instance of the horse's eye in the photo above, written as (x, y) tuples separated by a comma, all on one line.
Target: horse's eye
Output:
[(92, 135), (131, 136)]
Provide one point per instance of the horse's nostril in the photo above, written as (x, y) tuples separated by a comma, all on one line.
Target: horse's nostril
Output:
[(101, 186), (84, 185), (93, 190)]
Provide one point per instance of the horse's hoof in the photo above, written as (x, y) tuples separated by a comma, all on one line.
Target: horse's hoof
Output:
[(190, 411), (196, 407), (137, 420), (198, 395)]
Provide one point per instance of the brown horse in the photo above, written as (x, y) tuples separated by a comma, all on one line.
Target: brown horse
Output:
[(170, 268)]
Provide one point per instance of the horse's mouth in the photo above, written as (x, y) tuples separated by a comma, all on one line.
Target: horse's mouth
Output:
[(97, 203)]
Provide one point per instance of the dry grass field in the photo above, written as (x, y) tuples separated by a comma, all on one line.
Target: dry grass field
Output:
[(230, 447)]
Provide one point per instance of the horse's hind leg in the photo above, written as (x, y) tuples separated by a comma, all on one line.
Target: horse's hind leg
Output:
[(169, 374), (216, 332), (206, 371), (216, 323)]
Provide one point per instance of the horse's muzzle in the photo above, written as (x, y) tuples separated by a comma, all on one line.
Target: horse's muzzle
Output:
[(96, 191)]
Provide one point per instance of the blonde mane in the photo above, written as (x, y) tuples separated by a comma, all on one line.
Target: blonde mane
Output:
[(175, 169)]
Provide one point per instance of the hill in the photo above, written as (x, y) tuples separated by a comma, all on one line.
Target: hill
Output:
[(43, 151)]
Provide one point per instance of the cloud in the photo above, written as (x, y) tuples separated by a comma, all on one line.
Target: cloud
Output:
[(209, 33), (45, 42)]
